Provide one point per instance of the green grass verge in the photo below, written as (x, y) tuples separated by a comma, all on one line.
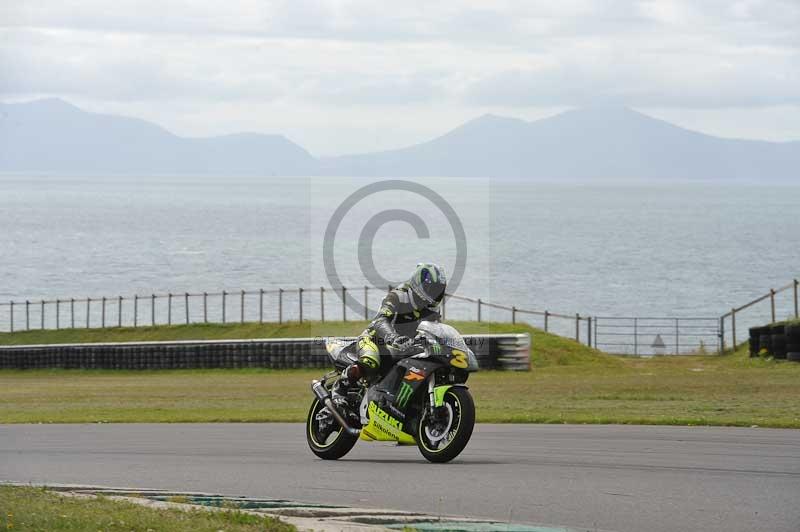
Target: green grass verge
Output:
[(27, 508), (570, 383), (215, 331)]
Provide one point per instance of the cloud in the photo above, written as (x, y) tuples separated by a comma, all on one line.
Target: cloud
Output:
[(127, 67), (379, 64), (729, 78), (433, 20), (358, 89)]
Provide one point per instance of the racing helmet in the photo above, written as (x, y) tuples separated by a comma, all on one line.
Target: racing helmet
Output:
[(429, 283)]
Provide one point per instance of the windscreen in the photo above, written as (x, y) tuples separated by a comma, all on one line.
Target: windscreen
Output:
[(446, 334), (450, 337)]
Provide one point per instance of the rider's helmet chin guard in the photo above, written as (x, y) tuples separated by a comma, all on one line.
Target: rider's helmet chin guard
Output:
[(428, 285)]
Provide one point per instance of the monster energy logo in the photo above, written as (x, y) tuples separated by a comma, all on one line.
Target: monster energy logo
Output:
[(404, 394)]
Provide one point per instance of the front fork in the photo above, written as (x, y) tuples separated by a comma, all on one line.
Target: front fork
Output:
[(432, 393), (436, 393)]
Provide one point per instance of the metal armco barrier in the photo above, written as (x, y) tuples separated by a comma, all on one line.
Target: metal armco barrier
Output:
[(501, 351)]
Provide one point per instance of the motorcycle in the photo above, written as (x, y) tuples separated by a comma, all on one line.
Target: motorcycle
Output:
[(420, 400)]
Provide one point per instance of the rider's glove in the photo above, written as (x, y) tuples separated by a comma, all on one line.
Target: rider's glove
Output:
[(401, 343)]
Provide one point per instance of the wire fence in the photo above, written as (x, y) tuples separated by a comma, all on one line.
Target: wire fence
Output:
[(657, 336), (251, 306), (695, 335), (625, 335), (779, 304)]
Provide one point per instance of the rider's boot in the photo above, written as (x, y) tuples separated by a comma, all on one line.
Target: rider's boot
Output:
[(349, 377)]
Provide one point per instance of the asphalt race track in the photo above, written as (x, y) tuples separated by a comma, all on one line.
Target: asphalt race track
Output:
[(586, 477)]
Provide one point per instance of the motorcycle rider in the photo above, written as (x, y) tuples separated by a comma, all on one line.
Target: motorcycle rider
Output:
[(395, 325)]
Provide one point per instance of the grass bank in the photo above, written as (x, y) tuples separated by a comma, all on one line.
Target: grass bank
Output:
[(26, 508), (570, 383), (231, 331)]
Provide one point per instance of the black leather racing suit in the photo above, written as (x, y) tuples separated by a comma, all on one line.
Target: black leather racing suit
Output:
[(399, 315)]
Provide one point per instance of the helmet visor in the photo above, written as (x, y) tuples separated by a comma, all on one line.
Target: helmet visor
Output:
[(431, 285)]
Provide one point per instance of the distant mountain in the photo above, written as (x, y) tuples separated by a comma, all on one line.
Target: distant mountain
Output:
[(594, 143), (52, 136)]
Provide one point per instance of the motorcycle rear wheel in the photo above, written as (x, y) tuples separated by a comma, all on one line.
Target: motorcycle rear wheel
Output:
[(332, 446), (457, 422)]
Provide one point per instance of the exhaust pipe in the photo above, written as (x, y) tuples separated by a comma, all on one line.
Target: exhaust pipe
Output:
[(325, 397)]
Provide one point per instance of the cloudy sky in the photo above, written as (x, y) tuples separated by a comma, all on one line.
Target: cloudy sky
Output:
[(343, 76)]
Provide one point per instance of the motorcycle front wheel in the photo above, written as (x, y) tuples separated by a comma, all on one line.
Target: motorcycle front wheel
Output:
[(326, 438), (442, 437)]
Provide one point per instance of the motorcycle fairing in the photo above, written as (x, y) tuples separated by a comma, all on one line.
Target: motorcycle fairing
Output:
[(391, 399), (383, 427), (415, 377)]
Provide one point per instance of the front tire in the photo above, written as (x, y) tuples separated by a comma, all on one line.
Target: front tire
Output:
[(441, 440), (330, 442)]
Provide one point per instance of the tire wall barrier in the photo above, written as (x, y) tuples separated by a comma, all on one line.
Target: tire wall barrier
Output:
[(779, 340), (503, 351)]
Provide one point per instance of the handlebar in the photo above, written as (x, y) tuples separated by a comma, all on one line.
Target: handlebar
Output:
[(418, 342)]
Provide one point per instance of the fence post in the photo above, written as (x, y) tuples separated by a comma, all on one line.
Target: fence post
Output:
[(480, 303), (366, 310), (260, 305), (796, 314), (444, 307), (577, 327), (103, 314), (635, 336), (41, 316), (513, 314), (546, 320), (733, 327), (224, 303), (135, 311), (241, 308), (169, 308), (205, 307), (300, 299), (344, 303), (772, 303), (11, 317), (152, 309), (280, 305), (27, 315), (119, 311), (186, 306), (322, 303), (722, 335), (589, 331), (58, 314), (88, 308)]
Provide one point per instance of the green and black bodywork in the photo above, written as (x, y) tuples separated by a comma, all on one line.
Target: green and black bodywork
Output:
[(420, 400)]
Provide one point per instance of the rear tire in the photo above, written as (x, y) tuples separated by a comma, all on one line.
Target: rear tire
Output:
[(461, 412), (335, 444)]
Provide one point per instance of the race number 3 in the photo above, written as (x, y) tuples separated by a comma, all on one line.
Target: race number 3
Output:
[(459, 359)]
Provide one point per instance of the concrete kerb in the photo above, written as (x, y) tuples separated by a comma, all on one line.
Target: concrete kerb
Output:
[(306, 517)]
